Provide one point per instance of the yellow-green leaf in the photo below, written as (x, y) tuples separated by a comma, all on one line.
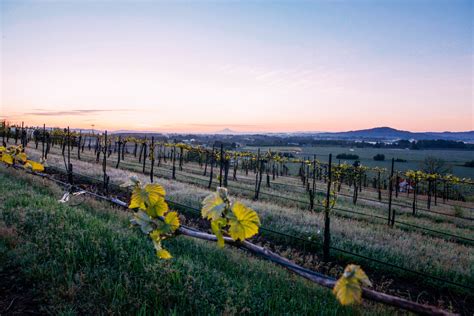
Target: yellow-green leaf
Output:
[(170, 223), (172, 219), (22, 157), (138, 198), (216, 226), (142, 197), (244, 222), (348, 288), (163, 254), (212, 206), (155, 192), (159, 208), (8, 159), (35, 166)]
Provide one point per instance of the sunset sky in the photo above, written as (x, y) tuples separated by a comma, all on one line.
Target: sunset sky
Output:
[(249, 66)]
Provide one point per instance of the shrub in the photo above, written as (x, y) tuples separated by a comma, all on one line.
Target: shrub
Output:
[(469, 164), (379, 157)]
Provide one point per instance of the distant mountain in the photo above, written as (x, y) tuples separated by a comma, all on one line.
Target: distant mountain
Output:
[(390, 134), (227, 131)]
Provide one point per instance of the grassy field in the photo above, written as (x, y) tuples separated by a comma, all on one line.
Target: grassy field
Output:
[(86, 260), (409, 248), (414, 158)]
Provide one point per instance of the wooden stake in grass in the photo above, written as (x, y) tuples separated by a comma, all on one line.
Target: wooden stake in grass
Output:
[(327, 223), (152, 157), (144, 156), (211, 174), (42, 142), (174, 161), (221, 165), (104, 164), (119, 154), (390, 190)]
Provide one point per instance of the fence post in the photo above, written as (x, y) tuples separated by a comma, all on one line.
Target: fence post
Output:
[(312, 194), (42, 142), (211, 173), (258, 170), (119, 155), (174, 161), (221, 164), (144, 156), (104, 164), (327, 224), (152, 157), (390, 192), (69, 165)]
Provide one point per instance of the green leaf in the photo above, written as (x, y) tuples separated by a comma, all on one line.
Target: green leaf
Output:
[(141, 219), (213, 206), (244, 222)]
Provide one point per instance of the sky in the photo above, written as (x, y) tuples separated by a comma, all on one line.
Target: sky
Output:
[(251, 66)]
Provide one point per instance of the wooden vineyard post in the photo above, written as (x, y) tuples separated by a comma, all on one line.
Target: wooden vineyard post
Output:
[(144, 156), (207, 161), (327, 223), (16, 134), (104, 164), (152, 157), (236, 166), (226, 171), (257, 172), (312, 192), (42, 142), (69, 165), (415, 191), (221, 163), (119, 153), (124, 147), (79, 146), (181, 153), (4, 131), (430, 188), (379, 187), (211, 173), (436, 191), (390, 190), (397, 185), (174, 161)]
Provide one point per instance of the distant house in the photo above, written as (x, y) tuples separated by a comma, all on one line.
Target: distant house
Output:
[(405, 185)]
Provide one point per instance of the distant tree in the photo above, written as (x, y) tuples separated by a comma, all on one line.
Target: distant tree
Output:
[(400, 160), (437, 165), (469, 164), (379, 157)]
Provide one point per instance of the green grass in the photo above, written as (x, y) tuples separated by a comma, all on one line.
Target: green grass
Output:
[(86, 260)]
